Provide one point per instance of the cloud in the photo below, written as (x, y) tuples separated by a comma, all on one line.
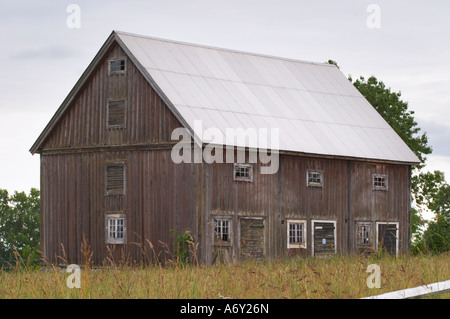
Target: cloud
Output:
[(438, 136), (48, 52)]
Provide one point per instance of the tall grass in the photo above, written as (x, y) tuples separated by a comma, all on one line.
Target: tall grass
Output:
[(336, 277)]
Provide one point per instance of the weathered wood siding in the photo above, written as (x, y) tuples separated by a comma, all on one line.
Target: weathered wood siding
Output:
[(347, 197), (160, 198), (148, 119), (373, 206)]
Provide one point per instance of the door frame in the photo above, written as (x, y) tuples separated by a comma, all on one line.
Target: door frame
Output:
[(312, 232), (396, 234)]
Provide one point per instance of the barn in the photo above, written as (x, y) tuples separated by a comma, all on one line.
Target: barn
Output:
[(140, 149)]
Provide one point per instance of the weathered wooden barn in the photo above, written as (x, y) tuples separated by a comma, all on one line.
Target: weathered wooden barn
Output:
[(342, 183)]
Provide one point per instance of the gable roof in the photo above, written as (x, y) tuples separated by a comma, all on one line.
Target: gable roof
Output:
[(315, 107)]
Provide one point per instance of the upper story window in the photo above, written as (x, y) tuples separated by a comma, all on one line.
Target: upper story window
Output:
[(243, 172), (115, 179), (117, 66), (116, 113), (380, 182), (314, 178)]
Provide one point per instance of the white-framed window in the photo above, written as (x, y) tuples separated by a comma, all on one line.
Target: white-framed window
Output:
[(117, 66), (243, 172), (115, 178), (363, 233), (380, 182), (314, 178), (296, 233), (116, 228), (222, 230), (387, 236)]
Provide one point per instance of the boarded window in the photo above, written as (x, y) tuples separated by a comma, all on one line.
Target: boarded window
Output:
[(115, 178), (116, 113), (380, 182), (115, 229), (314, 178), (243, 172), (222, 228), (296, 232), (117, 66), (251, 243)]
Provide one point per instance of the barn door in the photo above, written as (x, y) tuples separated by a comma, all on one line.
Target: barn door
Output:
[(251, 241), (387, 237), (324, 241)]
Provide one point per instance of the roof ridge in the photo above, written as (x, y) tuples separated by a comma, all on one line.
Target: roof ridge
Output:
[(224, 49), (288, 118), (251, 83)]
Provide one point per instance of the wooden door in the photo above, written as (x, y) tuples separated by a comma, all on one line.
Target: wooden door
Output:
[(387, 237), (251, 241), (324, 241)]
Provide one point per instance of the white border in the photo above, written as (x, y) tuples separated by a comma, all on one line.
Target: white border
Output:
[(386, 182), (243, 179), (112, 241), (305, 233), (321, 172)]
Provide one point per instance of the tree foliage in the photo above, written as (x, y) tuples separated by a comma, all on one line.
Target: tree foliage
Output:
[(433, 194), (19, 225)]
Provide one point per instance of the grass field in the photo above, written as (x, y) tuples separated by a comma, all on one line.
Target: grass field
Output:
[(336, 277)]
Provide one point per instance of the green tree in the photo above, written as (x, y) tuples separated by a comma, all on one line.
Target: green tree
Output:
[(433, 194), (19, 225)]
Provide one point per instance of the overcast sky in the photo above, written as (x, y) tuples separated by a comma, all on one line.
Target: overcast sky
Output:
[(406, 45)]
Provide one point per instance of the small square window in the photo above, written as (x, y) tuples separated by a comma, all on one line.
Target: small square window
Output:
[(296, 234), (116, 229), (380, 182), (222, 230), (117, 66), (363, 234), (314, 178), (243, 172)]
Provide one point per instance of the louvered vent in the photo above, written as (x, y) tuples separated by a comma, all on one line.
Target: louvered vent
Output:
[(115, 179), (116, 113)]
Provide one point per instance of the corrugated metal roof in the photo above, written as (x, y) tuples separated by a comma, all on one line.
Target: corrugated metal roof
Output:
[(314, 106)]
